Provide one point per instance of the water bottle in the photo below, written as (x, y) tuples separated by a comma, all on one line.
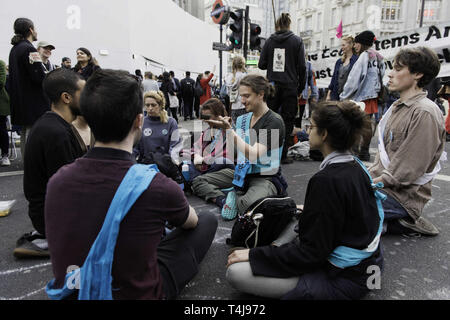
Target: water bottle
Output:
[(185, 171)]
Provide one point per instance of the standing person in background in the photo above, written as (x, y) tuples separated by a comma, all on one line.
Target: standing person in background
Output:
[(168, 90), (66, 63), (87, 64), (26, 74), (283, 56), (198, 92), (149, 83), (138, 74), (187, 94), (177, 89), (342, 68), (45, 51), (205, 84), (309, 95), (4, 112), (364, 83), (232, 83)]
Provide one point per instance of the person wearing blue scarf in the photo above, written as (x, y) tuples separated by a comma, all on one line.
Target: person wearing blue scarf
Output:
[(334, 251), (258, 140)]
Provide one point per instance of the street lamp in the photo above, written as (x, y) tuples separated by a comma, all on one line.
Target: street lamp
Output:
[(422, 13)]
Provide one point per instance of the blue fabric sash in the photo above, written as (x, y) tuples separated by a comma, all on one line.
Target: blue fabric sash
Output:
[(344, 257), (94, 279), (268, 163)]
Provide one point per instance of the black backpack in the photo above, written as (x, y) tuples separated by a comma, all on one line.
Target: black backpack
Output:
[(263, 222), (198, 90)]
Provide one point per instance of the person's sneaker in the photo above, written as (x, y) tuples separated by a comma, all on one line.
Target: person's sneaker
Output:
[(31, 245), (420, 225), (229, 210), (5, 161)]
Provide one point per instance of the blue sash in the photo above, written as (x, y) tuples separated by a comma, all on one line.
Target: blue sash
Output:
[(344, 257), (243, 165), (94, 279), (268, 163)]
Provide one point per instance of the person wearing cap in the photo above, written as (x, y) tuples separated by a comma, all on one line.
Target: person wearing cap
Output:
[(364, 81), (45, 51)]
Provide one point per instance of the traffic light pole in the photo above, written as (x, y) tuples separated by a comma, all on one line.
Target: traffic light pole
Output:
[(246, 21), (221, 56)]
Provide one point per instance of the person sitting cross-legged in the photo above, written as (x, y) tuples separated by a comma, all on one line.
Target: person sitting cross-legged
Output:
[(258, 140), (146, 264), (328, 254)]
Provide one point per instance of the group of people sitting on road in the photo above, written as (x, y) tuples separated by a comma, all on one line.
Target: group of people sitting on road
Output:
[(132, 233)]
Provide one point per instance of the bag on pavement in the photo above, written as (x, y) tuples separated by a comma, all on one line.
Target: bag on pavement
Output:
[(263, 222)]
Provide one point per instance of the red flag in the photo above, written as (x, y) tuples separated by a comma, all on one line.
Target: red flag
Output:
[(339, 31)]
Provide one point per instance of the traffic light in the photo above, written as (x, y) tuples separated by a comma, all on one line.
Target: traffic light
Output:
[(255, 40), (238, 29)]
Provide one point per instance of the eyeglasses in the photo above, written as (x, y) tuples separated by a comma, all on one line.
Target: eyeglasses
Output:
[(309, 128)]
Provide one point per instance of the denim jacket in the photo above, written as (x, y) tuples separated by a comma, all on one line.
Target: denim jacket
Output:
[(363, 82), (310, 83)]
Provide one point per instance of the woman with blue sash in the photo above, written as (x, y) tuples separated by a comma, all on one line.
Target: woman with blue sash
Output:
[(258, 140), (334, 251)]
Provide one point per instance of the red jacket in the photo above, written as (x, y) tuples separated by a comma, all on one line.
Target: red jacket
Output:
[(205, 85)]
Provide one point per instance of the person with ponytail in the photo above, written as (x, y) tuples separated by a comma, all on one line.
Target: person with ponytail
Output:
[(327, 255), (160, 132), (258, 139), (26, 74), (283, 56)]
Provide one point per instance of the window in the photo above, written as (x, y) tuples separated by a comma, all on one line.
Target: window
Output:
[(361, 15), (319, 21), (431, 11), (334, 17), (332, 43), (317, 45), (347, 15), (391, 10), (309, 25), (299, 26)]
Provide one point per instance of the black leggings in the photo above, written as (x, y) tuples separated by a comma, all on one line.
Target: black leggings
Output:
[(4, 139), (181, 252)]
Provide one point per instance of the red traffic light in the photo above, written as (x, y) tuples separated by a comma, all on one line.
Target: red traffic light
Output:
[(255, 29)]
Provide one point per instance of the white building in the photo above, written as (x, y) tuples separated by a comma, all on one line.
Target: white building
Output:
[(154, 35), (193, 7), (316, 20)]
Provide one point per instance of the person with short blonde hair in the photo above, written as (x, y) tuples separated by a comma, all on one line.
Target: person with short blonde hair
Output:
[(232, 82)]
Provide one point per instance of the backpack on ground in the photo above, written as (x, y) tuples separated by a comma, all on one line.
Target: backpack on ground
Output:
[(263, 222)]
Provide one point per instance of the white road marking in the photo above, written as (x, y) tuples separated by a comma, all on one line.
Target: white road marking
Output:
[(11, 174), (4, 273), (25, 296)]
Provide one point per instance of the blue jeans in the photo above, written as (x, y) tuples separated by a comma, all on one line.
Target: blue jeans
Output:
[(394, 211)]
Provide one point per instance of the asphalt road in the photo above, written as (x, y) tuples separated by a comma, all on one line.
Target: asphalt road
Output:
[(415, 268)]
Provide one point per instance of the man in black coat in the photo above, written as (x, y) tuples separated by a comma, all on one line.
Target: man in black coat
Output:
[(283, 56), (187, 92), (26, 73)]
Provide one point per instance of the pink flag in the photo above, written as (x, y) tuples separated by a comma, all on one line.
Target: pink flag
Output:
[(339, 31)]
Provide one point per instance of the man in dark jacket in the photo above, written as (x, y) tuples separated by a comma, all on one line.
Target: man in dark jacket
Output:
[(187, 92), (52, 144), (283, 56), (26, 73)]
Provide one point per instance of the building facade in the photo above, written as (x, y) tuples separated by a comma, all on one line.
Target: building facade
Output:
[(316, 21), (194, 7)]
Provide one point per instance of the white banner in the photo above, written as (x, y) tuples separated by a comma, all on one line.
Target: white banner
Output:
[(435, 37)]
